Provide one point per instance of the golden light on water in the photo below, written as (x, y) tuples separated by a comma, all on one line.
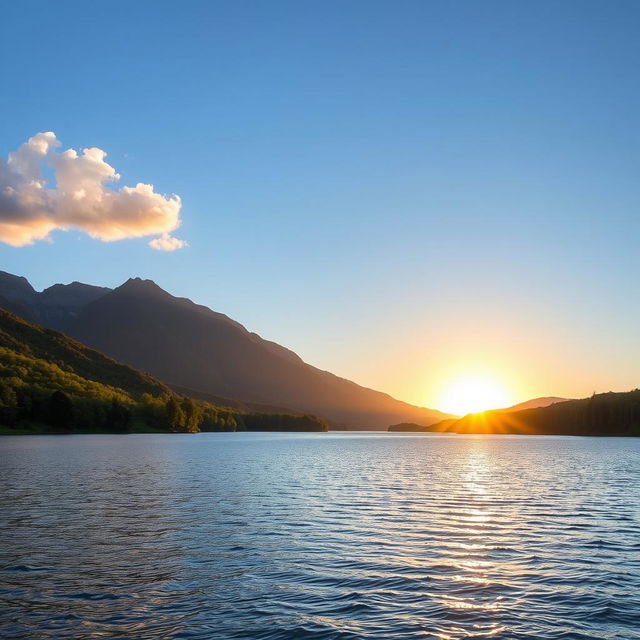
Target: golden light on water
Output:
[(472, 394)]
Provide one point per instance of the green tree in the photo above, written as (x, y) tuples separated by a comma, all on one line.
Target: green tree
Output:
[(175, 415), (192, 415)]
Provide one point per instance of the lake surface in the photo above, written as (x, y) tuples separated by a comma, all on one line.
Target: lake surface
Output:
[(319, 536)]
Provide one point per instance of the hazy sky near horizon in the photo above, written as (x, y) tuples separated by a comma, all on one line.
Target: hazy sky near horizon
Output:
[(401, 192)]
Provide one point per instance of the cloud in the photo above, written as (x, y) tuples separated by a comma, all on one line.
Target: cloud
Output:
[(30, 210), (167, 242)]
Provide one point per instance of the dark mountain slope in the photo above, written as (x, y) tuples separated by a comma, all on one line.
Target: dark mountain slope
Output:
[(59, 305), (55, 307), (248, 407), (16, 307), (17, 289), (191, 346)]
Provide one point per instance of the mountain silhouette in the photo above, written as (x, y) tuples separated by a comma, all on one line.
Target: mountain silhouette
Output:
[(192, 347), (535, 403)]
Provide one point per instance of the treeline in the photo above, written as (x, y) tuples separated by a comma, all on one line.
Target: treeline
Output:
[(180, 414), (281, 422), (53, 405)]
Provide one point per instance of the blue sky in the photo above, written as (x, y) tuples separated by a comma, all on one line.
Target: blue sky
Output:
[(399, 191)]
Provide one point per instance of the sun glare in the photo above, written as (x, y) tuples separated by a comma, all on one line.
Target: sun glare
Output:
[(472, 395)]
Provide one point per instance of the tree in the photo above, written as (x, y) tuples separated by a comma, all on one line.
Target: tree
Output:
[(175, 415), (8, 396), (192, 415), (60, 411)]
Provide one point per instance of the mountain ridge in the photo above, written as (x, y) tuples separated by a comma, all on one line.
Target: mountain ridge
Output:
[(535, 403)]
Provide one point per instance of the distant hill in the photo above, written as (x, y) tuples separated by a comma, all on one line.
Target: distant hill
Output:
[(605, 414), (442, 425), (189, 346), (536, 403), (51, 382)]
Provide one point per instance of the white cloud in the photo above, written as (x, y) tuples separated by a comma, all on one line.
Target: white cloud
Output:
[(30, 210), (167, 242)]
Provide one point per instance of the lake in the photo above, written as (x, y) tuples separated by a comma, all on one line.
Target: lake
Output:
[(320, 536)]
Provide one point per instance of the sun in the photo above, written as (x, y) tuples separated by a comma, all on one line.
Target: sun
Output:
[(473, 394)]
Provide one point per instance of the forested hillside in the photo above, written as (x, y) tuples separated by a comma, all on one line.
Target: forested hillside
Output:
[(49, 382)]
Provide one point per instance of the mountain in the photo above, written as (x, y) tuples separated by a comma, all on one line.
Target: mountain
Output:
[(438, 427), (189, 346), (535, 403), (605, 414), (17, 295), (17, 289), (60, 305), (192, 346), (56, 307)]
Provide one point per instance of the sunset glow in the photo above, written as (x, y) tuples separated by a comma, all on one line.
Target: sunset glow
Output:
[(472, 394)]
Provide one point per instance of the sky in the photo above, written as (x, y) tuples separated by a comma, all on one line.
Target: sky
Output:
[(404, 193)]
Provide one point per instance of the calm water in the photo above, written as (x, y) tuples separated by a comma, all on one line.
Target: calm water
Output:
[(317, 536)]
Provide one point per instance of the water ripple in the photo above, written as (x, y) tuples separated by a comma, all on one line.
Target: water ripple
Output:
[(320, 536)]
